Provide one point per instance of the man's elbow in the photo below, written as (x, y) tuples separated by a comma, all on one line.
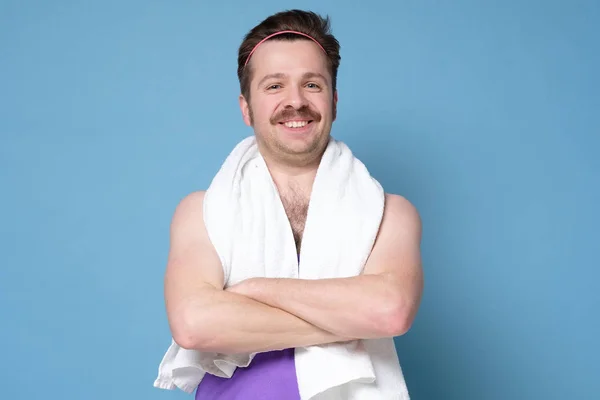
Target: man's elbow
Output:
[(186, 339), (397, 325), (396, 321), (188, 334)]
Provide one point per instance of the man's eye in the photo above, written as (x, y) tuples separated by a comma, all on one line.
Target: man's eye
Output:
[(273, 87), (312, 85)]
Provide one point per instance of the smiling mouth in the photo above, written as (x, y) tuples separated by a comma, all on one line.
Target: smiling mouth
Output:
[(296, 124)]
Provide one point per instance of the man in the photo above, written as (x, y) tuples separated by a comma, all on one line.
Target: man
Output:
[(289, 98)]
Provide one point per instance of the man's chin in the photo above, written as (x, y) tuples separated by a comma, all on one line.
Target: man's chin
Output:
[(302, 149)]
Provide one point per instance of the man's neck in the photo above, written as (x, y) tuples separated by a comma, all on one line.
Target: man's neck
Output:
[(286, 176)]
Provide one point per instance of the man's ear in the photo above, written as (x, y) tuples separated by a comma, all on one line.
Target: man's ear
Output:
[(245, 108), (335, 100)]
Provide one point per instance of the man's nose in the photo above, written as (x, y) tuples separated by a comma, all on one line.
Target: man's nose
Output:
[(296, 97)]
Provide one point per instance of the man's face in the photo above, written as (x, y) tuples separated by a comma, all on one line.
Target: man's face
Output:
[(292, 104)]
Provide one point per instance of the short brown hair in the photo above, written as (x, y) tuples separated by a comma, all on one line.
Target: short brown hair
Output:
[(307, 22)]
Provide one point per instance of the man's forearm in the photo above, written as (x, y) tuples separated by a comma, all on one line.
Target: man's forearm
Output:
[(233, 323), (365, 306)]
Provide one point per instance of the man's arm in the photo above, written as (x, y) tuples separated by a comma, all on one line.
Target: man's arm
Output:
[(382, 302), (203, 316)]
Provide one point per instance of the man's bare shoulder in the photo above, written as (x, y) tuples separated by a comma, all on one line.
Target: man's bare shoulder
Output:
[(189, 208), (401, 223), (192, 200), (192, 258), (189, 237), (401, 210), (397, 246)]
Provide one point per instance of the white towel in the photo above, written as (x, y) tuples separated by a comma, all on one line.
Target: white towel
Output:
[(247, 224)]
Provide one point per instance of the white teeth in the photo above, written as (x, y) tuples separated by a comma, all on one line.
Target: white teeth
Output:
[(296, 124)]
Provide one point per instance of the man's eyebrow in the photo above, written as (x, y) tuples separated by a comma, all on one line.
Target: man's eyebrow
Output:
[(271, 76), (309, 75)]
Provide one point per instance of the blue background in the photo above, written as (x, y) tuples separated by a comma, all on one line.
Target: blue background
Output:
[(484, 114)]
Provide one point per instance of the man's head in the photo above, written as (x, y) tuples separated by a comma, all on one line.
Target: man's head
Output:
[(288, 85)]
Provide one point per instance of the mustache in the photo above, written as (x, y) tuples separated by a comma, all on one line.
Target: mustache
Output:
[(302, 113)]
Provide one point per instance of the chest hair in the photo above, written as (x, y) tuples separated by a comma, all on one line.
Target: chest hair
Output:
[(296, 209)]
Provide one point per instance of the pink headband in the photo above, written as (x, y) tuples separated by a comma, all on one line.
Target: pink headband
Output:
[(279, 33)]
